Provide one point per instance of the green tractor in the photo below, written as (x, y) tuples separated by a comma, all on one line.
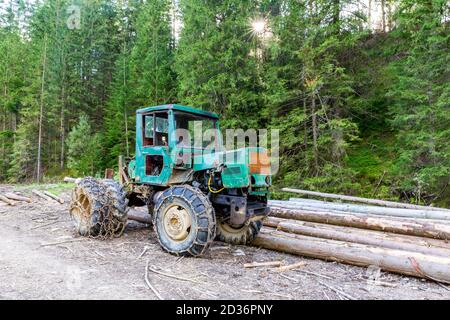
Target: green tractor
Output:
[(195, 190)]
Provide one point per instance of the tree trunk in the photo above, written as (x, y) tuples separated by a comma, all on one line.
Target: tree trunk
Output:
[(125, 114), (140, 219), (305, 127), (383, 14), (362, 200), (41, 112), (422, 229), (336, 15), (62, 117), (389, 23), (41, 195), (5, 199), (399, 261), (369, 15), (14, 196), (368, 237), (54, 197), (4, 114), (314, 130)]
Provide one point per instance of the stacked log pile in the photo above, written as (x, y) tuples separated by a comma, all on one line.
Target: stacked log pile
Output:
[(408, 239), (11, 198)]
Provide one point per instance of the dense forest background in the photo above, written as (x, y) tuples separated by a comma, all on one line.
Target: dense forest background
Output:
[(359, 89)]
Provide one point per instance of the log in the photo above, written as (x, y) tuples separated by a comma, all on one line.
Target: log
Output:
[(406, 213), (290, 266), (287, 206), (71, 180), (370, 209), (263, 264), (123, 176), (17, 197), (140, 219), (421, 229), (368, 237), (109, 173), (6, 200), (398, 261), (54, 197), (41, 195), (377, 202), (345, 205)]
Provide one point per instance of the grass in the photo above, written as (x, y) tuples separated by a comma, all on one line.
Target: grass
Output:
[(55, 188), (372, 160)]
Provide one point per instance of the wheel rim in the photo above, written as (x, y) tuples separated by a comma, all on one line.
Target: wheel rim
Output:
[(177, 223), (82, 206)]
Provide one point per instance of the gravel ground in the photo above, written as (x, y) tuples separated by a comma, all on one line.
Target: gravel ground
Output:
[(41, 257)]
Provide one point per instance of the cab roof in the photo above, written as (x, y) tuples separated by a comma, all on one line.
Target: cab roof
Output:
[(178, 108)]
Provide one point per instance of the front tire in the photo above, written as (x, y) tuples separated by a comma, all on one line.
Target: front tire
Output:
[(238, 236), (184, 221)]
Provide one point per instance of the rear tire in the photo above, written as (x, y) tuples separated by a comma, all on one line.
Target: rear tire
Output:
[(239, 236), (184, 221), (98, 208), (118, 198)]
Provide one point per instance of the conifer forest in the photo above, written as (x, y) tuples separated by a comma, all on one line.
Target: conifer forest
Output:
[(358, 89)]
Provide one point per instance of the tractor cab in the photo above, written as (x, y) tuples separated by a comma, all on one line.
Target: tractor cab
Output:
[(167, 140), (195, 190)]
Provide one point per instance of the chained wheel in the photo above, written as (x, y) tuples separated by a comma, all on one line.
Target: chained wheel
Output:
[(238, 235), (99, 208), (184, 221)]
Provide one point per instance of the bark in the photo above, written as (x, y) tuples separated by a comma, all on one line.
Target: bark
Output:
[(421, 229), (6, 200), (41, 112), (139, 219), (368, 237), (125, 114), (41, 195), (17, 197), (344, 207), (399, 261), (382, 203), (62, 121), (263, 264), (54, 197), (314, 130), (71, 180)]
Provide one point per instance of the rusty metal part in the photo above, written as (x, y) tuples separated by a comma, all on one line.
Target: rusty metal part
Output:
[(95, 207), (177, 222)]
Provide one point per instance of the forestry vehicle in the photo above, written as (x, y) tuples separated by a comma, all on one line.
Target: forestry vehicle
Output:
[(195, 191)]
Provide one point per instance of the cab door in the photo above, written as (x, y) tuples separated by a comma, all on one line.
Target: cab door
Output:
[(152, 148)]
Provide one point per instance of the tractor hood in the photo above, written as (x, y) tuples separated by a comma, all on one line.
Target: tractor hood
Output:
[(242, 167)]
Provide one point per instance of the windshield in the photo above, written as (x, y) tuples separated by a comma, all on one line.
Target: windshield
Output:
[(195, 131)]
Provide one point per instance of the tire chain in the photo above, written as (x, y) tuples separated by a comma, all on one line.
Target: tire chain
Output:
[(108, 212), (190, 194)]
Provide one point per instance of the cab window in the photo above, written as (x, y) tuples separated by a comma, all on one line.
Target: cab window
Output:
[(156, 129)]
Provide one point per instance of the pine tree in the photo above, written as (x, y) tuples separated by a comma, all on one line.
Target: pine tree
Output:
[(419, 99), (143, 76), (312, 87), (83, 149), (217, 60)]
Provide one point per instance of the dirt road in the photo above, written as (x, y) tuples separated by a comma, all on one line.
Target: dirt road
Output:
[(41, 257)]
